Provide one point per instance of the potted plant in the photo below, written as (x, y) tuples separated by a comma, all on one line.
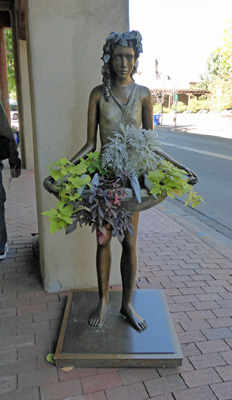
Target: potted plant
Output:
[(103, 190)]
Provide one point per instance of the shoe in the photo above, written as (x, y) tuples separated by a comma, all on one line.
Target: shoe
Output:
[(3, 255)]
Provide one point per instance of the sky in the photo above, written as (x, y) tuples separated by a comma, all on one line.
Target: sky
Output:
[(180, 34)]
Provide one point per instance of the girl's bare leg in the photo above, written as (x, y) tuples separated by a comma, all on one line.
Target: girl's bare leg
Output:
[(128, 272), (103, 275)]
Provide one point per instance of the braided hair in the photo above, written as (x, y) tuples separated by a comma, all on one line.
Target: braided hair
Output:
[(131, 39)]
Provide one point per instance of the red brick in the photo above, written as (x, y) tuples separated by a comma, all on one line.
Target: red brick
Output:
[(219, 333), (8, 356), (54, 306), (225, 372), (100, 382), (191, 290), (207, 360), (225, 303), (191, 337), (12, 303), (208, 297), (225, 295), (24, 394), (183, 278), (223, 312), (12, 322), (128, 392), (186, 366), (8, 312), (229, 341), (47, 315), (217, 289), (16, 341), (47, 298), (76, 373), (133, 375), (222, 390), (200, 393), (175, 285), (162, 397), (8, 332), (205, 305), (195, 315), (227, 355), (45, 337), (37, 378), (92, 396), (35, 308), (59, 390), (220, 322), (7, 296), (190, 349), (9, 369), (212, 346), (36, 327), (7, 384), (32, 351), (105, 370), (173, 292), (197, 284), (201, 377), (168, 384), (180, 316), (195, 325), (181, 307)]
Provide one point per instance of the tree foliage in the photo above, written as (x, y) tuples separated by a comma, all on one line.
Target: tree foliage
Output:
[(218, 78), (10, 63)]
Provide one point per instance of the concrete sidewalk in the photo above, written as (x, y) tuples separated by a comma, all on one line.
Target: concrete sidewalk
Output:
[(197, 282), (201, 124)]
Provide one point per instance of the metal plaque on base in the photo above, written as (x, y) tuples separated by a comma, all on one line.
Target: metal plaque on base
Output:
[(117, 343)]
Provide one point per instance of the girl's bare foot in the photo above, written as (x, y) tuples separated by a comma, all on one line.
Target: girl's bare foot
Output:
[(98, 315), (138, 322)]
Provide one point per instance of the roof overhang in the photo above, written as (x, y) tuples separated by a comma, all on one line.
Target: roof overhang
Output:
[(5, 5)]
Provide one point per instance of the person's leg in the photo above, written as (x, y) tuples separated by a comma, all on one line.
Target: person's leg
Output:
[(103, 276), (3, 233), (128, 271)]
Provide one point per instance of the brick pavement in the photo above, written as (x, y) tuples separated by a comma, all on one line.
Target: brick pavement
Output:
[(198, 287)]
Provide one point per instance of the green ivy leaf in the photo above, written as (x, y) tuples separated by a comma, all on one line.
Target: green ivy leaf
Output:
[(55, 174), (50, 358), (51, 213), (54, 227)]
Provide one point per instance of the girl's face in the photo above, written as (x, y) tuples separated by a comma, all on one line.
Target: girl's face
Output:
[(123, 61)]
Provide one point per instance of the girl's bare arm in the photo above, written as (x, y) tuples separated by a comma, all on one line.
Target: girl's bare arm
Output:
[(93, 120)]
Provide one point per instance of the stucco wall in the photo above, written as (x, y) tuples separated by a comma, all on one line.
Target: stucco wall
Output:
[(65, 40), (26, 106)]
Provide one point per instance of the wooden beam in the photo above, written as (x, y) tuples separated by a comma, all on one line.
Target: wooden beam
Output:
[(22, 25), (5, 19), (5, 5)]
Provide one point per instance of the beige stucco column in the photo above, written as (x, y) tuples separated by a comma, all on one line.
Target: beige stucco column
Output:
[(26, 105), (65, 40)]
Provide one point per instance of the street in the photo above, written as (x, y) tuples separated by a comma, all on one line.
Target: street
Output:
[(211, 159)]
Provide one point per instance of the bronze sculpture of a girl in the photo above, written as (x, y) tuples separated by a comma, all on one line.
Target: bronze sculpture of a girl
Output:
[(119, 100)]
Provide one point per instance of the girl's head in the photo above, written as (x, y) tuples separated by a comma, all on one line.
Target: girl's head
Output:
[(132, 40)]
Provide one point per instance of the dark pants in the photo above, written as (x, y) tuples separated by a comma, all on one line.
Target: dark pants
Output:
[(3, 234)]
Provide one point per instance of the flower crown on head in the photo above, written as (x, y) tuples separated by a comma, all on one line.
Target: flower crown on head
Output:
[(122, 39)]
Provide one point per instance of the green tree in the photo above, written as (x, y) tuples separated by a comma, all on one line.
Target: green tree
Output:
[(225, 52), (218, 78), (10, 63)]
